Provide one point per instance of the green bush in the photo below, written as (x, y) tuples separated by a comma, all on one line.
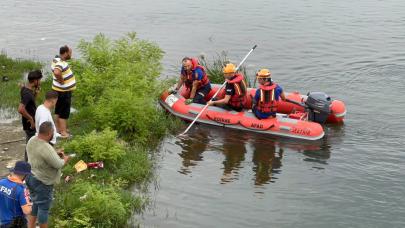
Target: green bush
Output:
[(127, 63), (85, 204), (117, 92), (118, 86), (97, 146)]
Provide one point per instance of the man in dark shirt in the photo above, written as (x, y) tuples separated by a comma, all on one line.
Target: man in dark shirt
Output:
[(27, 105)]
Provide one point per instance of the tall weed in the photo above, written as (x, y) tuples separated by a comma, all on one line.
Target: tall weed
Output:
[(214, 67)]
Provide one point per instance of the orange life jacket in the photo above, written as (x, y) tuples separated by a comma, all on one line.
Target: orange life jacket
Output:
[(191, 76), (238, 99), (267, 102)]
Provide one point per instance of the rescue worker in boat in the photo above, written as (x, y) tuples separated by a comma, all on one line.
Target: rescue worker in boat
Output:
[(235, 90), (267, 96), (194, 77)]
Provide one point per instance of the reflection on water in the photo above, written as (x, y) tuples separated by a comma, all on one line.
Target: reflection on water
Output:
[(234, 150), (266, 160), (192, 149), (244, 150)]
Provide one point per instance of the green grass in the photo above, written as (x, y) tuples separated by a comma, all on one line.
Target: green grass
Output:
[(214, 67), (15, 70)]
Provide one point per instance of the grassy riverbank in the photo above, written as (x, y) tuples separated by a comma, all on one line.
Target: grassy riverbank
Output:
[(118, 122), (12, 72)]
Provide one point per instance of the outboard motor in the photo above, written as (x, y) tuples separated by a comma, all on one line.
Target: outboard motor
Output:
[(318, 106)]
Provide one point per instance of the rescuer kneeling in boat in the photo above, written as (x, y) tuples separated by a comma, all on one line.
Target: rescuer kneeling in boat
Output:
[(194, 77), (267, 96), (235, 90)]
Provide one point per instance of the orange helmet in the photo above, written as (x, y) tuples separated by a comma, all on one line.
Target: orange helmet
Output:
[(263, 73), (229, 68)]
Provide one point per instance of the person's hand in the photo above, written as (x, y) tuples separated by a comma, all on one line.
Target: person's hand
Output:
[(189, 101), (173, 91), (37, 90), (61, 153), (66, 158), (32, 123), (211, 102), (60, 80)]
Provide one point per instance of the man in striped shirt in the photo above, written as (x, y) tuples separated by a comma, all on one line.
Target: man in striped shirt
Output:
[(64, 83)]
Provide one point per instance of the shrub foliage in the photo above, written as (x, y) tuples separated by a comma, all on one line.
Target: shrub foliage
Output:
[(98, 146), (117, 91), (118, 82)]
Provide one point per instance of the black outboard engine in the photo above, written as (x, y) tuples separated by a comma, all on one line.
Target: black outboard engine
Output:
[(318, 106)]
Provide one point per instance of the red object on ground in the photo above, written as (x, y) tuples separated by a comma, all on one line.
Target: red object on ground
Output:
[(95, 165)]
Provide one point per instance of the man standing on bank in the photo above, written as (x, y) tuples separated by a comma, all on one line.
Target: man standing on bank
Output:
[(27, 105), (46, 166), (43, 113), (64, 83)]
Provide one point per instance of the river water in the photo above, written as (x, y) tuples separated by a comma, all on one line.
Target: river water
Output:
[(352, 50)]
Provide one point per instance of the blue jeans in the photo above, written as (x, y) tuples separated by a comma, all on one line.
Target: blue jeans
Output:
[(41, 196)]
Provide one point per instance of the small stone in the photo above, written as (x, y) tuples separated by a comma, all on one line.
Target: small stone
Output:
[(5, 148)]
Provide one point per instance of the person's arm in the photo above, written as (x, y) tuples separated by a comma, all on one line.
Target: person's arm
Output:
[(23, 111), (179, 83), (282, 95), (25, 203), (198, 77), (256, 98), (27, 208), (229, 91), (225, 100), (57, 71), (52, 158), (61, 153)]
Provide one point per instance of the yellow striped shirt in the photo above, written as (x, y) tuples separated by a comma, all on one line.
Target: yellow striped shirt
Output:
[(69, 81)]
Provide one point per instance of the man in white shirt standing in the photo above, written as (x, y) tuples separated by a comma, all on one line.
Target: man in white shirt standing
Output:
[(43, 113)]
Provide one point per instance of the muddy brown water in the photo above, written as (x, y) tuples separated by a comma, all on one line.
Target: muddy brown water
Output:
[(352, 50)]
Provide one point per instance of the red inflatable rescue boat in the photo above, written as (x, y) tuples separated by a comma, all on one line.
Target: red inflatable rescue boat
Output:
[(298, 121)]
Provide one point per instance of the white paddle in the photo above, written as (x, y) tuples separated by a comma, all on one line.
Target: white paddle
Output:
[(206, 106)]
